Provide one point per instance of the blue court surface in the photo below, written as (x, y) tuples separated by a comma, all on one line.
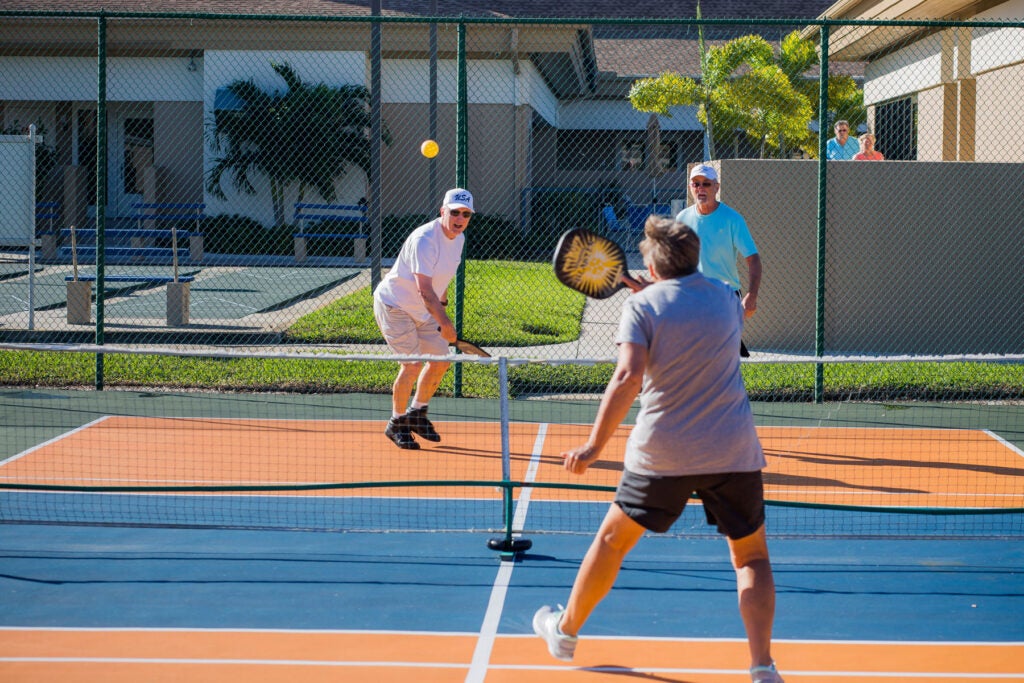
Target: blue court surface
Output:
[(918, 596)]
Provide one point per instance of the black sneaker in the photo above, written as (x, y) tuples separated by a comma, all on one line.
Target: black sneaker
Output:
[(398, 431), (419, 424)]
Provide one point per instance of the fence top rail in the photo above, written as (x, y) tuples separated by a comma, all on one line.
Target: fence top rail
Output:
[(570, 21), (270, 353)]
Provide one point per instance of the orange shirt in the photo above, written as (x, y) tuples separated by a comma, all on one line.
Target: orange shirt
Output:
[(869, 156)]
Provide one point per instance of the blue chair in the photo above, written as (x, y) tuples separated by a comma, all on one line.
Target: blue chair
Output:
[(638, 214), (611, 220)]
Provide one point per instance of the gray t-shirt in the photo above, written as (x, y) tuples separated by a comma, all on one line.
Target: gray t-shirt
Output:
[(694, 417)]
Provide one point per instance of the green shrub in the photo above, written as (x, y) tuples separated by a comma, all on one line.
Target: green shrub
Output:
[(555, 211), (241, 235), (493, 237)]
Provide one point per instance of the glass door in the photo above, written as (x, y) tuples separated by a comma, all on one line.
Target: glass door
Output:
[(130, 153)]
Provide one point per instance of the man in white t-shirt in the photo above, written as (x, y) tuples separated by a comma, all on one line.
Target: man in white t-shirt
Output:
[(409, 305)]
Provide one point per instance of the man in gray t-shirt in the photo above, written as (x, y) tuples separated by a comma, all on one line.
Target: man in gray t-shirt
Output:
[(695, 432)]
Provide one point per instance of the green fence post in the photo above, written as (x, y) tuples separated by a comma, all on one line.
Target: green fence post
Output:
[(823, 127), (461, 173), (376, 125), (101, 184)]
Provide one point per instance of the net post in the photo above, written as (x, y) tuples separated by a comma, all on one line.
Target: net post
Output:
[(507, 546)]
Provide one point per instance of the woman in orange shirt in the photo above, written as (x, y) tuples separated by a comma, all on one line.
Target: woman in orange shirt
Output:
[(867, 149)]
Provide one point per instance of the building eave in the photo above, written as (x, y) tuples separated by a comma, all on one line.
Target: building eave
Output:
[(861, 43)]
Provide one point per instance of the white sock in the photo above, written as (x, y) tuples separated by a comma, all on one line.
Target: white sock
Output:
[(416, 405)]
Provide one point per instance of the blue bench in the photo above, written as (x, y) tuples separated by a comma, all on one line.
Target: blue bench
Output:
[(48, 212), (310, 214), (158, 255), (148, 214), (159, 279), (122, 233), (611, 221)]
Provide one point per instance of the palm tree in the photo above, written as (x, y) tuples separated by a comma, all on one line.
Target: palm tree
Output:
[(845, 97), (743, 86), (309, 135)]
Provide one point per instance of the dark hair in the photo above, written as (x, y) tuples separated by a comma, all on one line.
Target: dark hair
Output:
[(673, 248)]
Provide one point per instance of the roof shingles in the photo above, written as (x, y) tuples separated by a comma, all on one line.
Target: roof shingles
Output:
[(658, 9)]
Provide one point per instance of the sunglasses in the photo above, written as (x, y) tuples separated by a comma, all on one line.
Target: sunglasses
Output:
[(706, 183), (466, 213)]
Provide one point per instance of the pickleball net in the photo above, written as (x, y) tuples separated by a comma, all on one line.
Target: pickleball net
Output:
[(289, 440)]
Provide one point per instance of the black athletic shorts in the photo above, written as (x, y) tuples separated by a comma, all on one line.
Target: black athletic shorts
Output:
[(733, 502)]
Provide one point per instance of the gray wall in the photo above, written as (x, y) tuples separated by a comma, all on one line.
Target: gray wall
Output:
[(921, 258)]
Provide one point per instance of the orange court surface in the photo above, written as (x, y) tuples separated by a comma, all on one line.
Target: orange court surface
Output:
[(832, 465), (163, 601)]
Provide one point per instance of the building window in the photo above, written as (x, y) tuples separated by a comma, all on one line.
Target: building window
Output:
[(584, 150), (896, 129), (631, 155), (668, 154), (605, 150)]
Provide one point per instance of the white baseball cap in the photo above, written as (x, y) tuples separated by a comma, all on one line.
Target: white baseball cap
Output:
[(458, 198), (704, 170)]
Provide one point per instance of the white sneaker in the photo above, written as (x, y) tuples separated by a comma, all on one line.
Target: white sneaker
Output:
[(545, 625), (765, 674)]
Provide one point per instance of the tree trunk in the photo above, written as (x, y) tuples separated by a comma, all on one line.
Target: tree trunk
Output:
[(709, 132), (277, 197)]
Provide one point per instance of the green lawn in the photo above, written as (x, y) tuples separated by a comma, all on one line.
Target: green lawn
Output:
[(495, 315)]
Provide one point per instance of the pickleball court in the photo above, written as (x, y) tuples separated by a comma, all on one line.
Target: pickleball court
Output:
[(323, 579)]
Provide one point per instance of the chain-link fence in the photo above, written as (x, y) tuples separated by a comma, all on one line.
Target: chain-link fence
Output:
[(204, 180)]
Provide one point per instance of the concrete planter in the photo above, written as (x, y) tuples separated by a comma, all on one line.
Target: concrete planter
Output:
[(79, 302), (177, 303)]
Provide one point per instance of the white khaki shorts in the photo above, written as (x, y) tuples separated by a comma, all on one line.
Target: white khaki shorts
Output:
[(405, 335)]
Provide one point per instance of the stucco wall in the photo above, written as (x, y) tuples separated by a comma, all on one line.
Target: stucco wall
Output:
[(998, 115), (921, 258), (182, 164)]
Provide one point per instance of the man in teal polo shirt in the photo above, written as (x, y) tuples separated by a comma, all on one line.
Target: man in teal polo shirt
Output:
[(723, 235), (842, 147)]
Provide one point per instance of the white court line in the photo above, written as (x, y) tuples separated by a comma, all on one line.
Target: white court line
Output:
[(233, 662), (524, 636), (641, 671), (1004, 442), (53, 440), (795, 674), (789, 673), (489, 629)]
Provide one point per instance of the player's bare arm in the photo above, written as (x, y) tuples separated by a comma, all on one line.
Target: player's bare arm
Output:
[(434, 305), (618, 397), (754, 276)]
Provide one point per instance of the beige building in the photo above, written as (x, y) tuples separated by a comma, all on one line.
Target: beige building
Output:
[(937, 94)]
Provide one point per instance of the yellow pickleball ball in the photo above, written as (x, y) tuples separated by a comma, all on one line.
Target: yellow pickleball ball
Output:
[(429, 149)]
